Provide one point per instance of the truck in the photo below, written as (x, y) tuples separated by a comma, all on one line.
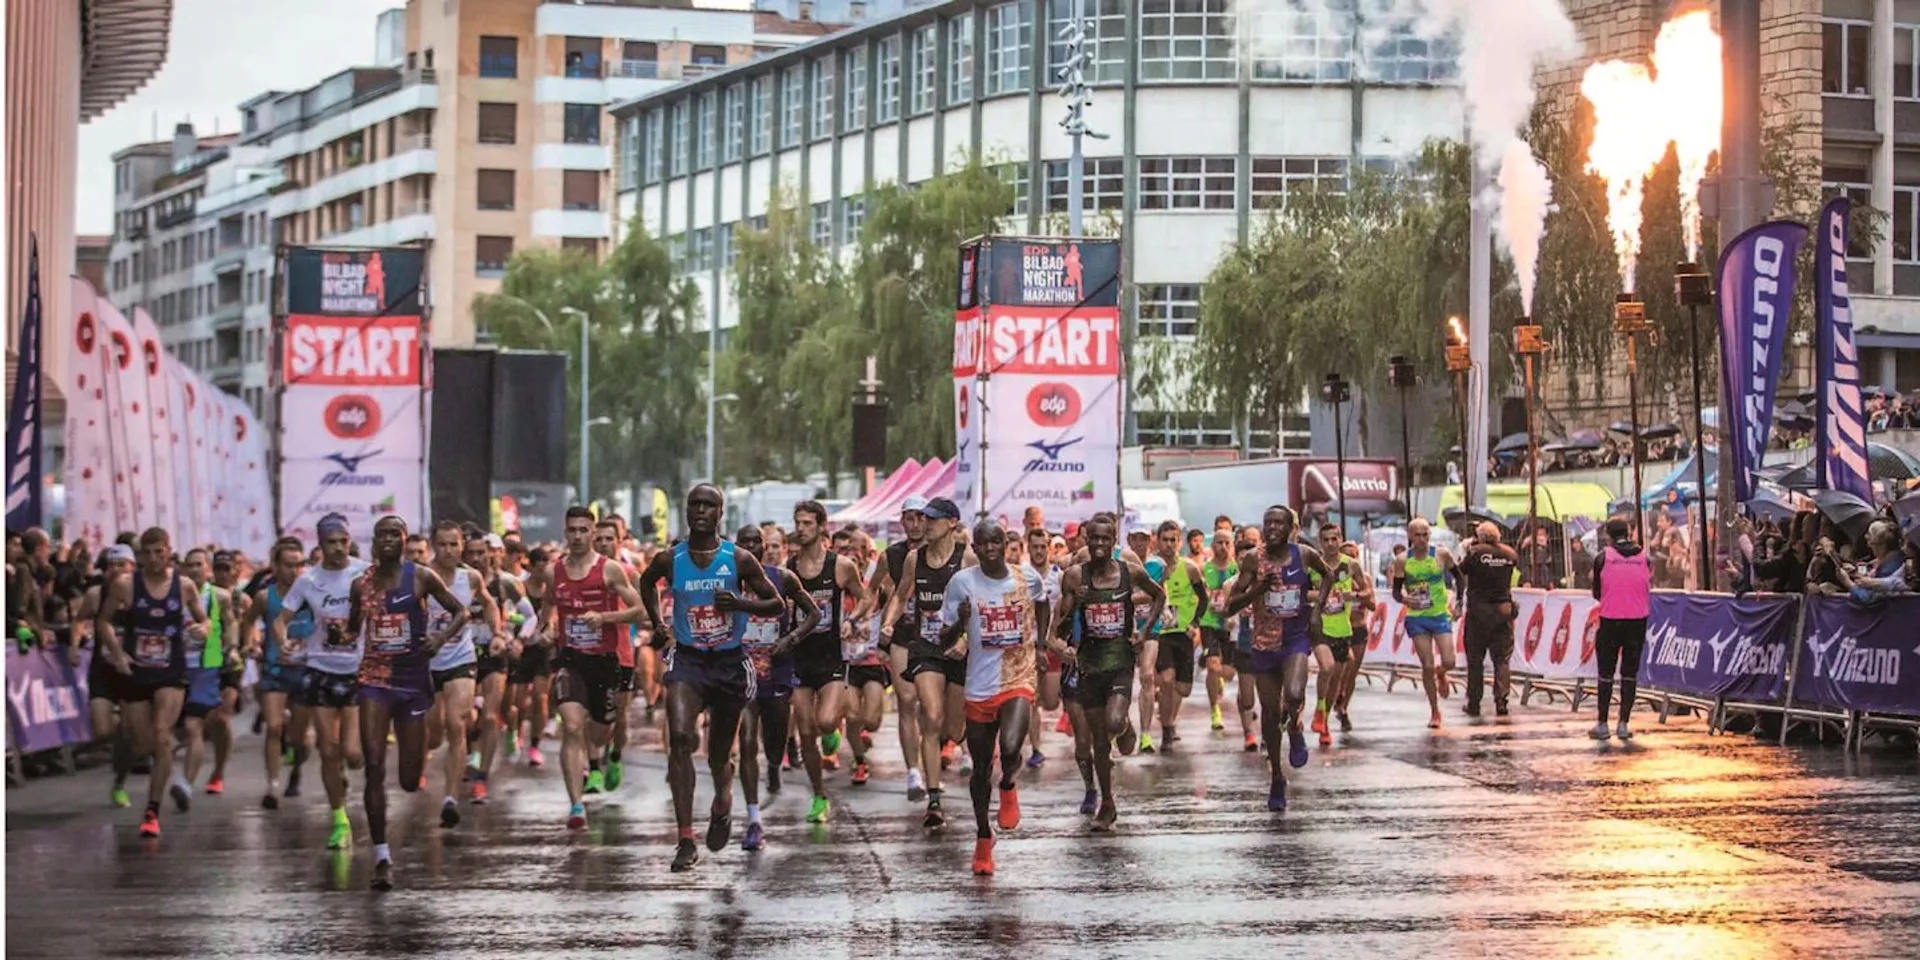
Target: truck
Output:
[(1244, 490)]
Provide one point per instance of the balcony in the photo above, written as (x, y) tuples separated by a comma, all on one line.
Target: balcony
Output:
[(227, 374), (228, 315), (639, 70), (174, 217), (229, 258)]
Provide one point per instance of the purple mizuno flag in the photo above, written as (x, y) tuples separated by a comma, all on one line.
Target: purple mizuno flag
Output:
[(1842, 432), (1756, 297)]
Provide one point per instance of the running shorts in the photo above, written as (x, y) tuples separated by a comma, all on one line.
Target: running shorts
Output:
[(486, 665), (591, 680), (1176, 654), (860, 675), (535, 661), (441, 678), (230, 677), (627, 679), (721, 677), (1270, 661), (1429, 626), (278, 678), (334, 691), (402, 703), (817, 661), (203, 692), (1216, 642), (1094, 690), (954, 670), (106, 683), (988, 711)]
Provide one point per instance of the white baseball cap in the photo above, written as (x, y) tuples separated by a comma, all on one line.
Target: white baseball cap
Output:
[(914, 505)]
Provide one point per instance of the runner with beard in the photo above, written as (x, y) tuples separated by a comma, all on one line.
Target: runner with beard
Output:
[(939, 679), (820, 660), (1274, 583), (331, 690), (707, 671), (1099, 628), (1420, 579), (591, 604), (895, 633), (454, 666), (1186, 588), (1215, 639), (146, 620), (388, 611), (769, 641), (283, 669), (1333, 648), (1487, 631), (1051, 665)]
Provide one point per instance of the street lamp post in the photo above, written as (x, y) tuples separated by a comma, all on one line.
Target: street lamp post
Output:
[(1336, 391), (1694, 288), (1527, 343), (1400, 374), (1460, 364), (585, 427), (1630, 320)]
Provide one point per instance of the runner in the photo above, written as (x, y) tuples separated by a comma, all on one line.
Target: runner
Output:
[(388, 612), (1216, 643), (1420, 580), (330, 684), (453, 667), (995, 615), (530, 675), (1622, 583), (1247, 696), (228, 568), (1099, 630), (591, 595), (1360, 614), (609, 539), (1040, 563), (283, 669), (1488, 565), (896, 631), (938, 680), (769, 641), (820, 661), (159, 616), (867, 674), (492, 645), (106, 685), (1273, 582), (1186, 588), (206, 661), (707, 672), (1333, 647)]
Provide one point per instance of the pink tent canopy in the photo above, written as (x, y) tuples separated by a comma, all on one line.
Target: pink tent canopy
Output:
[(931, 479), (896, 481)]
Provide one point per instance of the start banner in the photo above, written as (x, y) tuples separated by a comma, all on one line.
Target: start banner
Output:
[(353, 389), (1038, 378)]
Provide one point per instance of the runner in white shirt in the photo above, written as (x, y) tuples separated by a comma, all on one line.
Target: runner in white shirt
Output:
[(331, 688)]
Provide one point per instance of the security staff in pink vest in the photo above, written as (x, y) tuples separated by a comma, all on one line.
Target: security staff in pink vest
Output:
[(1622, 582)]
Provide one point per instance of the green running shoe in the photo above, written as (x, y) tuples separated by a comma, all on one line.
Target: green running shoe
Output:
[(119, 798), (342, 836), (830, 744), (613, 769), (818, 812), (596, 782)]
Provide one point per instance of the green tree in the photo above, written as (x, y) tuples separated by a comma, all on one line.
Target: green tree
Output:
[(647, 367)]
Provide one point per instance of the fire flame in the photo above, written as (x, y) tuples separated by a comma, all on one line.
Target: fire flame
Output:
[(1636, 114), (1459, 334)]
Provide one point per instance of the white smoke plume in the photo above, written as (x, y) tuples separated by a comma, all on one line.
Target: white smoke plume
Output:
[(1526, 193)]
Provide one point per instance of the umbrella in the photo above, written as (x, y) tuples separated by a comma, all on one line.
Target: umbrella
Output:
[(1621, 427), (1770, 504), (1659, 431), (1558, 446), (1584, 440), (1458, 517), (1512, 443), (1848, 512), (1907, 511), (1884, 462)]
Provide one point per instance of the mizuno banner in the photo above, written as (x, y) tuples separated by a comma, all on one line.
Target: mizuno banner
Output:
[(1756, 296), (1719, 646), (24, 486), (1861, 656), (1842, 431)]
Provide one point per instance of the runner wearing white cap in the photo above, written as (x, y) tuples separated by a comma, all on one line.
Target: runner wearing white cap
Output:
[(885, 583)]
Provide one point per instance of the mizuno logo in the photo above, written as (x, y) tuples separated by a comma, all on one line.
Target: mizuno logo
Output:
[(352, 464), (1052, 450)]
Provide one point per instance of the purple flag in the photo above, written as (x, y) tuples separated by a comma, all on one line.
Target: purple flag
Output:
[(1756, 296), (1842, 433), (25, 495)]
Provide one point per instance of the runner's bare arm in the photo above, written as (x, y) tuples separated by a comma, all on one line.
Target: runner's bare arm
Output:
[(897, 602), (1156, 602), (105, 638), (761, 599), (1247, 586), (250, 625), (431, 585), (355, 600), (196, 613), (809, 615), (489, 607), (1310, 558), (657, 570), (1069, 602), (621, 587)]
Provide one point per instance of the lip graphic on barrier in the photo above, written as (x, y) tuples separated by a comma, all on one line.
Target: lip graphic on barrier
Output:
[(1590, 637), (1377, 631), (1399, 629), (1562, 636), (1536, 625)]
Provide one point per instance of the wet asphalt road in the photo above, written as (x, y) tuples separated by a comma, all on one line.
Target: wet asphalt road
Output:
[(1517, 837)]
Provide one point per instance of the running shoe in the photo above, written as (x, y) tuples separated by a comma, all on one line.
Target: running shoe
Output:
[(916, 786), (293, 784), (182, 797), (1471, 709), (1433, 723), (685, 857), (1277, 795), (614, 770), (150, 824), (596, 782), (983, 857), (1296, 746), (829, 761), (934, 819), (1146, 743), (342, 836), (423, 781), (1219, 724), (1034, 761), (479, 793), (1623, 731), (1103, 821), (719, 829), (1089, 803), (1326, 738), (533, 757), (577, 816), (966, 764), (217, 786), (269, 802), (513, 745), (818, 812), (866, 741), (1599, 731), (1500, 708), (1065, 725), (860, 774), (383, 875), (946, 755), (830, 744), (1346, 723), (449, 813), (1009, 809), (1253, 744), (118, 797), (756, 837), (1319, 722), (286, 756)]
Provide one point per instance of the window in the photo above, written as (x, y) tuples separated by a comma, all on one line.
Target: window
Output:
[(1906, 42), (822, 225), (856, 84), (580, 190), (1186, 183), (677, 147), (1166, 428), (1901, 230), (497, 122), (708, 55), (1107, 40), (639, 60), (926, 46), (1402, 56), (699, 250), (759, 115), (853, 215), (1016, 175), (1275, 178), (704, 133), (960, 59), (820, 77), (499, 57), (582, 123), (886, 70), (490, 255), (629, 153), (656, 148), (792, 101), (495, 189), (734, 138), (1847, 60), (728, 249), (583, 57), (1188, 39), (1106, 184), (1169, 310), (1010, 48), (1302, 46)]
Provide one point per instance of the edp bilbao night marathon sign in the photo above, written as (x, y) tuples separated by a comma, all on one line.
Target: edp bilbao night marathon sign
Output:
[(353, 433), (1038, 378)]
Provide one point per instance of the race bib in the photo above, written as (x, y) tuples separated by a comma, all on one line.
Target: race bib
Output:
[(1000, 626), (1336, 602), (1169, 619), (1105, 621), (152, 649), (580, 634), (930, 628), (391, 634), (336, 639), (824, 600), (761, 634), (1284, 600), (706, 624), (1418, 598)]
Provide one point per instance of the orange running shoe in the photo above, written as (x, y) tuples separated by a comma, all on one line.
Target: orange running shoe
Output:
[(1319, 723), (1326, 739), (1009, 809), (983, 857), (150, 827), (830, 761), (216, 785), (860, 774), (1065, 725), (1434, 723), (1253, 743), (479, 792), (946, 755)]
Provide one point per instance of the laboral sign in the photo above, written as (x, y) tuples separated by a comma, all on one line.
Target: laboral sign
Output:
[(1038, 377), (353, 398)]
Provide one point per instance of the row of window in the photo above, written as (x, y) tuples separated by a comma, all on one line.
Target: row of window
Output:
[(1160, 428), (1847, 62), (1902, 226), (500, 57), (182, 306), (222, 349), (499, 123), (1180, 40)]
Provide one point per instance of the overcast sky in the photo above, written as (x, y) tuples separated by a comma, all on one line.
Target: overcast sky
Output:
[(223, 52)]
